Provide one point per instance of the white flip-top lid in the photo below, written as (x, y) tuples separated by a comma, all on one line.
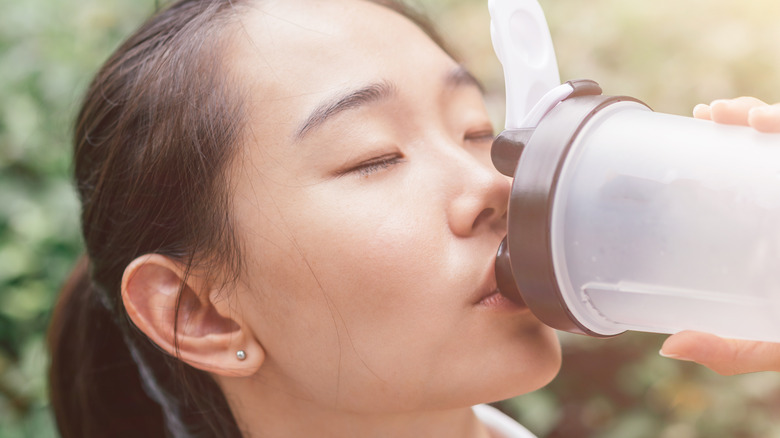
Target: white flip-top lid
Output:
[(522, 42)]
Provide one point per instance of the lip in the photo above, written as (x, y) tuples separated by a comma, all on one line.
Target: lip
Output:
[(498, 301), (488, 295)]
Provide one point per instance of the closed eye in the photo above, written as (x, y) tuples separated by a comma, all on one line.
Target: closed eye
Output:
[(480, 136), (374, 165)]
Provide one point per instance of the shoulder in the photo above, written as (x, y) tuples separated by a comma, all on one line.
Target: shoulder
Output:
[(500, 424)]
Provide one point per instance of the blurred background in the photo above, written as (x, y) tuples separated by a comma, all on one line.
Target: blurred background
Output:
[(670, 53)]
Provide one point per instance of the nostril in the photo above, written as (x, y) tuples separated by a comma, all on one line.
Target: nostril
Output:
[(503, 222), (484, 216)]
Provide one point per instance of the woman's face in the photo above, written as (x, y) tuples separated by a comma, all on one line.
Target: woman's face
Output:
[(370, 215)]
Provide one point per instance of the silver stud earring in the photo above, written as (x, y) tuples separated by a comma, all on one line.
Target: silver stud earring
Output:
[(241, 354)]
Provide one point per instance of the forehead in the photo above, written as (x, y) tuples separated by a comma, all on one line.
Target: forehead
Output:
[(305, 47), (291, 23)]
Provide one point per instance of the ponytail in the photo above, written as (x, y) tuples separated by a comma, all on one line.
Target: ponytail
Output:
[(157, 127), (95, 387)]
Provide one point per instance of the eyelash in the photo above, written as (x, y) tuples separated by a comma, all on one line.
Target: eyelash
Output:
[(375, 165), (383, 162), (486, 136)]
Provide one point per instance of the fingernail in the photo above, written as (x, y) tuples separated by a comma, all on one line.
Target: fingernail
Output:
[(759, 110), (701, 109), (673, 356)]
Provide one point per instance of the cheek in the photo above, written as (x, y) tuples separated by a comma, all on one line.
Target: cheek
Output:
[(381, 267), (375, 264), (359, 280), (369, 239), (369, 252)]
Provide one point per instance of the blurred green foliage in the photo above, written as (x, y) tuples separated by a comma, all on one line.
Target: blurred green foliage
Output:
[(48, 51), (672, 54)]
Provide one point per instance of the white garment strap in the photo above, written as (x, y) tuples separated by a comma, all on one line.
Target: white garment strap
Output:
[(499, 423)]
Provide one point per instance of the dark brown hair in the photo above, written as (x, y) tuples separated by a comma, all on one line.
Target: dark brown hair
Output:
[(158, 128)]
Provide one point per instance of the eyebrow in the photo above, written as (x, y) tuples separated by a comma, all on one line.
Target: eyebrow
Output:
[(372, 93), (352, 99), (459, 76)]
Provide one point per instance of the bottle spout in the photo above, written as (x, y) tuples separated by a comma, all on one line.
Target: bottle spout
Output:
[(504, 277), (522, 42)]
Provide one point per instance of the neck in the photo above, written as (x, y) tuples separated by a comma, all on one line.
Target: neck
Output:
[(266, 411)]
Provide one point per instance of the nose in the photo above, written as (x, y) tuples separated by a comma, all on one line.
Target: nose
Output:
[(480, 202)]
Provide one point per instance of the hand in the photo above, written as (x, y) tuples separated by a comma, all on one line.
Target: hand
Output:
[(724, 356), (729, 356), (747, 111)]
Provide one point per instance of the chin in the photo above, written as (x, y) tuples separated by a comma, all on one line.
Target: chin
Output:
[(538, 363), (512, 367)]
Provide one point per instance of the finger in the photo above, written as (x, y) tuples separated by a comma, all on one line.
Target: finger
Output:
[(733, 111), (724, 356), (765, 118), (702, 111), (693, 346)]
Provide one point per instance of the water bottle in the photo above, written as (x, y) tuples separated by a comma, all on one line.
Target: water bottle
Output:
[(621, 218)]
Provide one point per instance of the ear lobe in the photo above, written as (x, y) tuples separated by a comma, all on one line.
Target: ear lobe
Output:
[(204, 331)]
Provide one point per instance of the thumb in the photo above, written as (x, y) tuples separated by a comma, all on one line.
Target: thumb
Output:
[(724, 356)]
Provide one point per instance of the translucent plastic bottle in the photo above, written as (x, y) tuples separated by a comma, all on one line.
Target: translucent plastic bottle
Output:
[(621, 218)]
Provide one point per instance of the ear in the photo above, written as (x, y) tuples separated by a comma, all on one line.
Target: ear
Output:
[(208, 329)]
